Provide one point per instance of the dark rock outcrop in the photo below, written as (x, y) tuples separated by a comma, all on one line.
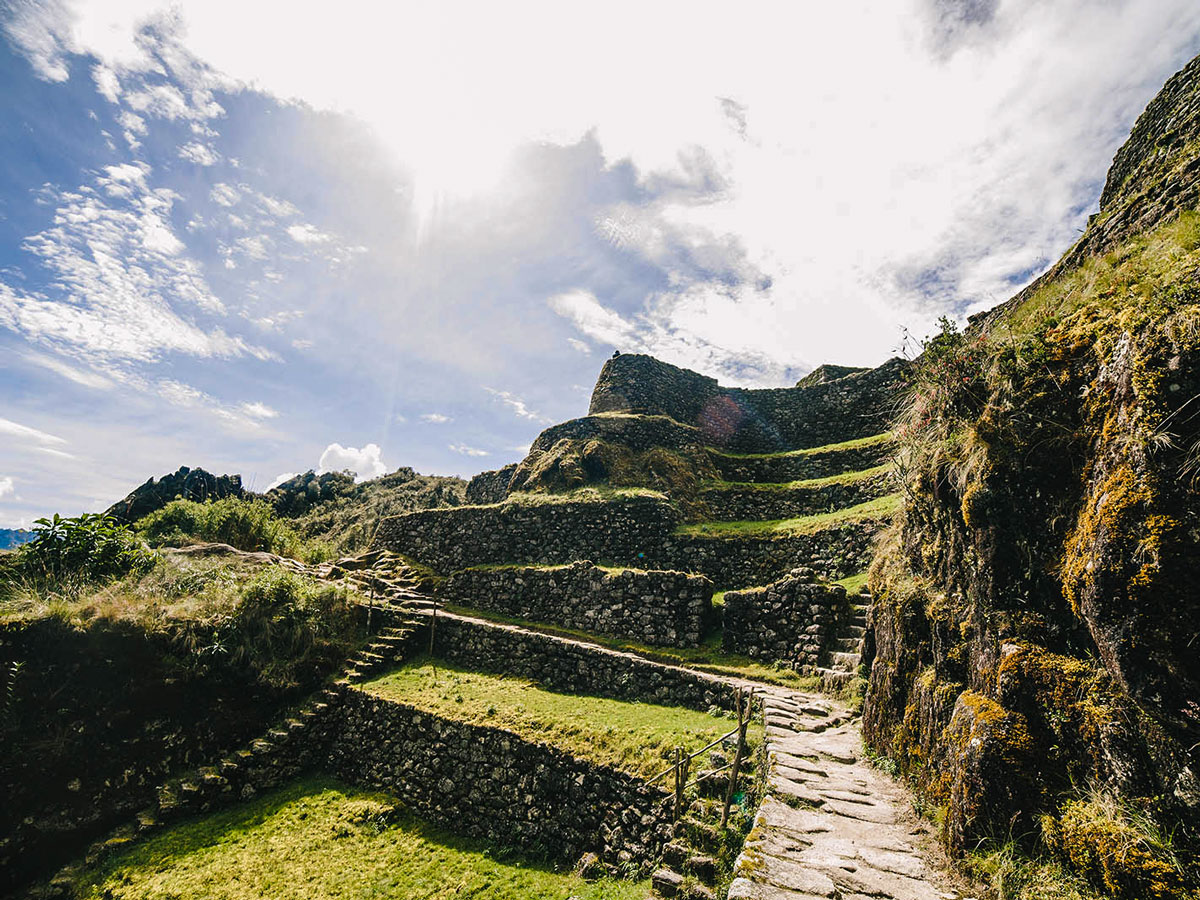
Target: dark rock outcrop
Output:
[(185, 484)]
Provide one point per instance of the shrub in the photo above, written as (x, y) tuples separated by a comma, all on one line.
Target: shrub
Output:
[(245, 524), (285, 627), (81, 550)]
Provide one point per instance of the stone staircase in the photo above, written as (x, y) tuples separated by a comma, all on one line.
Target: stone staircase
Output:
[(840, 661), (282, 751)]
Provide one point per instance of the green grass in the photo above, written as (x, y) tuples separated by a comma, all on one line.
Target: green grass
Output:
[(872, 509), (708, 657), (853, 583), (635, 737), (1128, 276), (591, 494), (802, 484), (855, 444), (318, 839)]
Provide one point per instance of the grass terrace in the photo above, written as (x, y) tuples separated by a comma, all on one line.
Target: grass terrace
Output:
[(872, 509), (708, 657), (635, 737), (853, 583), (856, 444), (318, 839), (803, 484)]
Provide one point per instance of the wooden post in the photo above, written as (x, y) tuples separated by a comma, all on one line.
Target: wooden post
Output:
[(432, 633), (743, 722), (681, 773)]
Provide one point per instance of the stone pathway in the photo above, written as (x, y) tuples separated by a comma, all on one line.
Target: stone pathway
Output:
[(831, 825)]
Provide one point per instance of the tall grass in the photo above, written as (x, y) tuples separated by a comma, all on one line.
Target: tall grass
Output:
[(245, 524)]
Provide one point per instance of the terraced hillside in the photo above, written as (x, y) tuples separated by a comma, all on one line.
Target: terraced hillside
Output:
[(768, 497)]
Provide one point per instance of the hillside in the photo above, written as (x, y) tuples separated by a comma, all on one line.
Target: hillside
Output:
[(1033, 654)]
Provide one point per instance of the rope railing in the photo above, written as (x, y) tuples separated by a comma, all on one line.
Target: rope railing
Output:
[(683, 761)]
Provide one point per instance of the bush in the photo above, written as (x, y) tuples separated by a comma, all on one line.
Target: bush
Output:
[(286, 628), (245, 524), (83, 550)]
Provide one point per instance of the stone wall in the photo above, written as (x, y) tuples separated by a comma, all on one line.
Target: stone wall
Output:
[(732, 503), (554, 532), (490, 783), (490, 487), (750, 420), (575, 667), (743, 561), (665, 608), (792, 620), (800, 466)]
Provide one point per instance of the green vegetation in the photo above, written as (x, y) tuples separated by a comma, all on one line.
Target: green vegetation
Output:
[(803, 484), (1012, 874), (333, 509), (66, 556), (595, 493), (636, 737), (708, 657), (856, 444), (245, 524), (880, 508), (854, 583), (1145, 271), (320, 840), (284, 628)]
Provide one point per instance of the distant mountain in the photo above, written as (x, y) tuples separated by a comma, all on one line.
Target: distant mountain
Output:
[(11, 538)]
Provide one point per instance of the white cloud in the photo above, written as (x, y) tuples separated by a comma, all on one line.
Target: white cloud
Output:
[(107, 83), (118, 273), (224, 194), (200, 154), (365, 463), (467, 451), (517, 405), (258, 411), (591, 317), (280, 479), (582, 346), (89, 379), (307, 234), (6, 486), (435, 418), (30, 435)]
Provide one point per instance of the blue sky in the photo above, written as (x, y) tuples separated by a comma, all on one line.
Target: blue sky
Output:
[(258, 239)]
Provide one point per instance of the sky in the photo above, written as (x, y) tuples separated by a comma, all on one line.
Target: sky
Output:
[(267, 237)]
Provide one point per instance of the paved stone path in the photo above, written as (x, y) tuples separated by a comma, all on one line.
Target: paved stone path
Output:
[(831, 825)]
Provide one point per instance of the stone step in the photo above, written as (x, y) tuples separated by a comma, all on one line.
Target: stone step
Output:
[(703, 867), (666, 882), (846, 644), (369, 655), (854, 630), (675, 853)]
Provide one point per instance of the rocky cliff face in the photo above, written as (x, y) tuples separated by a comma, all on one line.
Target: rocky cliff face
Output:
[(187, 484), (1036, 666)]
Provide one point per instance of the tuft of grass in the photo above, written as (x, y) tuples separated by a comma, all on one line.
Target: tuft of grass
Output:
[(880, 508), (636, 737), (1012, 874), (318, 839)]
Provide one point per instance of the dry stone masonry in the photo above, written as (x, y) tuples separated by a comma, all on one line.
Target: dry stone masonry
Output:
[(552, 532), (794, 620), (575, 667), (490, 783), (666, 608), (755, 421)]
